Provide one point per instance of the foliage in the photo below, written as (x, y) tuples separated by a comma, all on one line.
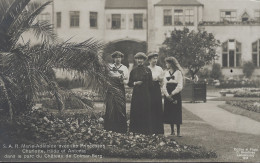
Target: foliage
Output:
[(248, 69), (236, 83), (216, 72), (251, 105), (192, 49), (128, 48), (27, 70), (204, 73), (69, 83), (39, 126)]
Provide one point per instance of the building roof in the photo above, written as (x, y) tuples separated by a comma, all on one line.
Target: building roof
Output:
[(126, 4), (179, 3)]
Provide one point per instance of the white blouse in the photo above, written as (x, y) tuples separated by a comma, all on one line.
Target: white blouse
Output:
[(157, 73), (118, 71), (178, 78)]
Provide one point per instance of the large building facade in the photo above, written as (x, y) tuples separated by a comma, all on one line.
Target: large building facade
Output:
[(236, 23)]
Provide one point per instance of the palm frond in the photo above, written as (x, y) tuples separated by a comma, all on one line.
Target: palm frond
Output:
[(43, 30)]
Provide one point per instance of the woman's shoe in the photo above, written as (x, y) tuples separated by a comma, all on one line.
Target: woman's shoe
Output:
[(179, 135)]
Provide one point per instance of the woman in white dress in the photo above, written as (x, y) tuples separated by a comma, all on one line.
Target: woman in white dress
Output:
[(156, 95)]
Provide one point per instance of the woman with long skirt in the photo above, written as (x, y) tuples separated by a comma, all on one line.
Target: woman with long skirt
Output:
[(173, 84), (141, 81), (156, 95), (115, 116)]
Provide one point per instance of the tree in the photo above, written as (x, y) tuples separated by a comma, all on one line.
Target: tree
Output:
[(192, 49), (248, 69), (216, 72), (27, 70)]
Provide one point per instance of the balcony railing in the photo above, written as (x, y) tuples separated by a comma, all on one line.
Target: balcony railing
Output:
[(230, 23)]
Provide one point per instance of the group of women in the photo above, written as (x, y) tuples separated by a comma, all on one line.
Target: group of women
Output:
[(147, 114)]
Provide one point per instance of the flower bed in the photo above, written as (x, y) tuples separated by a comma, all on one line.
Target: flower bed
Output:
[(97, 98), (251, 105), (87, 128), (236, 83), (242, 92)]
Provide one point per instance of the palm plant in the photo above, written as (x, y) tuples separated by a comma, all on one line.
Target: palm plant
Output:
[(27, 70)]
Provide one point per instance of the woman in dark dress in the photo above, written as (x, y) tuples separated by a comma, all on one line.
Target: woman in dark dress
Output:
[(140, 113), (173, 84), (156, 95), (115, 116)]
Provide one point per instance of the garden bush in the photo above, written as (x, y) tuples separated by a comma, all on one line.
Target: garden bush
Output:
[(39, 126), (69, 83), (248, 69), (236, 83), (216, 72), (251, 105), (242, 92)]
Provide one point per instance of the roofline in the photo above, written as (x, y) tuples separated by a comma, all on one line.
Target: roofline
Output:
[(126, 8), (179, 5)]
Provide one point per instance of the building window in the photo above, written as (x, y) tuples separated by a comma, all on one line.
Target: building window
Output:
[(93, 19), (189, 17), (138, 21), (116, 21), (58, 19), (167, 17), (257, 15), (245, 17), (231, 54), (256, 53), (228, 15), (178, 17), (74, 18), (44, 17)]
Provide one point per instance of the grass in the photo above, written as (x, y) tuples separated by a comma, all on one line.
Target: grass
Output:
[(240, 111)]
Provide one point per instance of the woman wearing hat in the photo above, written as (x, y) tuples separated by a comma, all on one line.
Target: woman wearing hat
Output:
[(115, 116), (156, 95), (141, 81), (173, 84)]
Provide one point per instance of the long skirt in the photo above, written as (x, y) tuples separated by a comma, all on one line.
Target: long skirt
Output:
[(140, 112), (156, 109), (115, 116), (172, 111)]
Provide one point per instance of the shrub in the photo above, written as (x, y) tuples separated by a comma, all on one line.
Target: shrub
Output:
[(69, 83), (248, 69), (204, 73), (250, 105), (216, 72)]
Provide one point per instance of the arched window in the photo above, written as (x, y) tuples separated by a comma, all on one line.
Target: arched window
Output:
[(231, 53), (256, 53)]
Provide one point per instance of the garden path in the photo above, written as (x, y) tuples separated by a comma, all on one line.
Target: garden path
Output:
[(222, 119)]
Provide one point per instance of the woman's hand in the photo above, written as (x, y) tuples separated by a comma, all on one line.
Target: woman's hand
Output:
[(169, 97), (138, 83)]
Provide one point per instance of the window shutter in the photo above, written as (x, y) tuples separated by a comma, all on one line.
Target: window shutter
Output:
[(145, 21), (123, 21), (131, 21), (109, 21)]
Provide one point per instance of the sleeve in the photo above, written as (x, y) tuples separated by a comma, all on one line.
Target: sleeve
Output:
[(161, 76), (126, 75), (150, 77), (131, 80), (179, 80), (164, 89)]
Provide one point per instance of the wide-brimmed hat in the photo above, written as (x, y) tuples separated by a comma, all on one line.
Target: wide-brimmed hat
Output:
[(140, 55), (152, 54), (117, 54)]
